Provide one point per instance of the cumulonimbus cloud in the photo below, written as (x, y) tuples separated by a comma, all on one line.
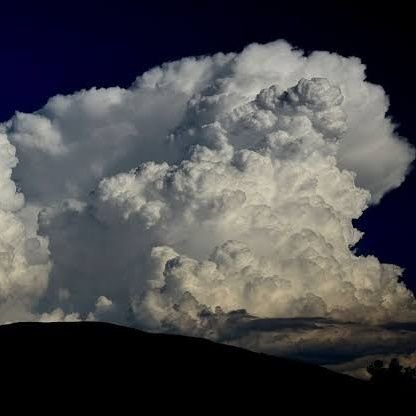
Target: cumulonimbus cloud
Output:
[(212, 185)]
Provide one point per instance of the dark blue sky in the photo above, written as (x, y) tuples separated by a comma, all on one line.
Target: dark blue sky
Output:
[(48, 50)]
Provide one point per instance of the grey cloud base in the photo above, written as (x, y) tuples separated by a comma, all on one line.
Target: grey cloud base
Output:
[(213, 197)]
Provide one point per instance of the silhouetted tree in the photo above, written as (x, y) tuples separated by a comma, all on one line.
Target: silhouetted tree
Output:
[(410, 373), (394, 374), (377, 371)]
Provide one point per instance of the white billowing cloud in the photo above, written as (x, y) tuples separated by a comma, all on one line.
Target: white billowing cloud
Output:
[(31, 131), (212, 185), (58, 315), (100, 132), (24, 264)]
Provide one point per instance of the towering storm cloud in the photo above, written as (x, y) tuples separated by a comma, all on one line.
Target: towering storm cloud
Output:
[(214, 197)]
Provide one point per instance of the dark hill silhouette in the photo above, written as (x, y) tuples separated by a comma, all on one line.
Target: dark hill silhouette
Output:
[(87, 356)]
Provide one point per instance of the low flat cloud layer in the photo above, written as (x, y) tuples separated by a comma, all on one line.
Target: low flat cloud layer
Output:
[(214, 197)]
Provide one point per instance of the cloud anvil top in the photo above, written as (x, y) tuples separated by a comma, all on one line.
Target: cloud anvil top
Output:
[(213, 193)]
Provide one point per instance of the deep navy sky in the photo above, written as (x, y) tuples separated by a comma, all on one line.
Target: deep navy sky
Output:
[(48, 50)]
